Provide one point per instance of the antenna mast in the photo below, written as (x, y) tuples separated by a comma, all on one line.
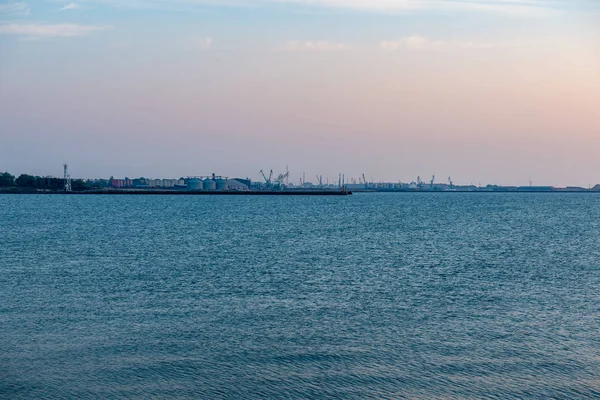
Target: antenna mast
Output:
[(67, 178)]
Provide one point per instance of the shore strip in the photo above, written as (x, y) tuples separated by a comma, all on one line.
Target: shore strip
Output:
[(216, 192)]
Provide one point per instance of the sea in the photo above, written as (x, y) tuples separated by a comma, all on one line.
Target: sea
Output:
[(369, 296)]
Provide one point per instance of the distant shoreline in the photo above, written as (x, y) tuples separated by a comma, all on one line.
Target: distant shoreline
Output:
[(474, 191), (190, 192), (314, 192)]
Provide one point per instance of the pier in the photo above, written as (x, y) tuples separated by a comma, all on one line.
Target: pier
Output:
[(218, 192)]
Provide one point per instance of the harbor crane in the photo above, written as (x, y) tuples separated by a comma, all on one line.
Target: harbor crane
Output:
[(419, 182), (432, 181), (268, 181), (282, 177), (365, 181), (320, 180)]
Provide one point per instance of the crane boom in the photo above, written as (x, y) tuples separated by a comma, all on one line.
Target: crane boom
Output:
[(320, 180), (267, 180)]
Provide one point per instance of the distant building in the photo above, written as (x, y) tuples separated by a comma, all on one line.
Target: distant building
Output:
[(246, 181), (355, 186), (118, 183), (536, 188), (234, 184)]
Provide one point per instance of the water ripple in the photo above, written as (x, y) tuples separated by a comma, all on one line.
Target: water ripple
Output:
[(373, 296)]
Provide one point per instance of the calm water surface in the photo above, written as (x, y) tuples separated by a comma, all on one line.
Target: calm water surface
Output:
[(385, 296)]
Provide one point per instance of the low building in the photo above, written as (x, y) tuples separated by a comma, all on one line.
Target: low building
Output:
[(234, 184), (118, 183)]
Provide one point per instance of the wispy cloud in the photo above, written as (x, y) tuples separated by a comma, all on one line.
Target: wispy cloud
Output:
[(422, 43), (39, 31), (205, 43), (14, 8), (414, 42), (71, 6), (512, 7), (319, 45)]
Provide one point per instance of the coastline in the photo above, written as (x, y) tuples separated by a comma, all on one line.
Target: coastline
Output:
[(188, 192), (314, 192)]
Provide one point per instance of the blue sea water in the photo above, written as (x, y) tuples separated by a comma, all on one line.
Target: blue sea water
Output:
[(383, 296)]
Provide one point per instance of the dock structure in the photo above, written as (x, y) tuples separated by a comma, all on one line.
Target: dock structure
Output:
[(218, 192)]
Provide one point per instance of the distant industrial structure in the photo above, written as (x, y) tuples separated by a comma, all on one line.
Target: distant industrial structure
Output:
[(67, 178), (278, 182), (195, 183), (145, 183), (281, 182), (214, 182)]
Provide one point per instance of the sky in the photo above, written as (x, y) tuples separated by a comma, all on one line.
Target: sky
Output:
[(484, 91)]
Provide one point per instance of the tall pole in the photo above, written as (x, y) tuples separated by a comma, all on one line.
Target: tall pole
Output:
[(67, 178)]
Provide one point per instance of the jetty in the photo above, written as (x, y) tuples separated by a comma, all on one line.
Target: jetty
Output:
[(315, 192)]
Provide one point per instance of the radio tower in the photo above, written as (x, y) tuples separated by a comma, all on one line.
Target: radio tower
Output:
[(67, 179)]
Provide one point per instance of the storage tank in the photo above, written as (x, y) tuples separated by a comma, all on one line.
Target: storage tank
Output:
[(195, 184), (221, 184), (209, 184)]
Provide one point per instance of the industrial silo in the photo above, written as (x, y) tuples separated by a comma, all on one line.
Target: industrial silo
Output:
[(195, 184), (221, 184), (209, 184)]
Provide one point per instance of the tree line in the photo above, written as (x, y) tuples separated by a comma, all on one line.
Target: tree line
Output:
[(41, 182)]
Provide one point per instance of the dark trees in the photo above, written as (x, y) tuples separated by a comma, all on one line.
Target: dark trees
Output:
[(6, 179)]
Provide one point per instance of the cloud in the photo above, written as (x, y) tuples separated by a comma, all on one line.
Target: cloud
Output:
[(528, 8), (71, 6), (414, 42), (39, 31), (14, 8), (206, 43), (421, 43), (320, 45)]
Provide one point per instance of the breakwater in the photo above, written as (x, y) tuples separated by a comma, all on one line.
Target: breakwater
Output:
[(218, 192)]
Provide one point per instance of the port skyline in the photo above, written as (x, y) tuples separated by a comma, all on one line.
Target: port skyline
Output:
[(286, 180)]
